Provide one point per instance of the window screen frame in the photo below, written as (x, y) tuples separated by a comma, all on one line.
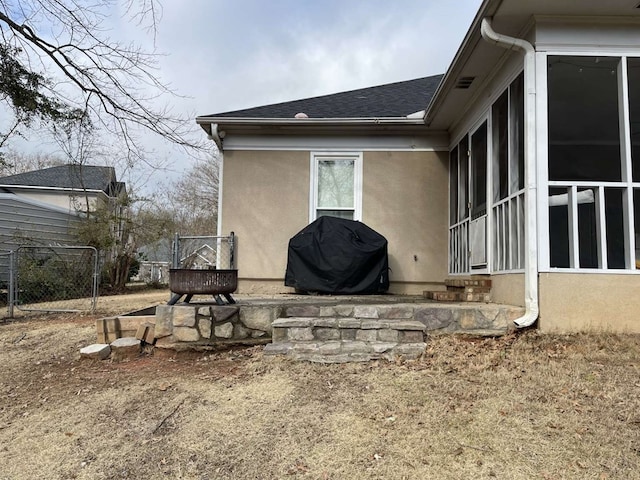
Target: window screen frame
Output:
[(318, 156)]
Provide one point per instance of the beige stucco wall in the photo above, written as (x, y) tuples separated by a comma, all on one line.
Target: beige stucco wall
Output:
[(405, 199), (266, 201), (571, 302), (508, 288)]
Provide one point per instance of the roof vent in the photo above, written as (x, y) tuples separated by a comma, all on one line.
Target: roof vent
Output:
[(464, 82), (301, 115)]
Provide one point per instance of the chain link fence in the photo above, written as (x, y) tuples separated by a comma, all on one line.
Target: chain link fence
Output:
[(204, 252), (55, 279), (5, 280)]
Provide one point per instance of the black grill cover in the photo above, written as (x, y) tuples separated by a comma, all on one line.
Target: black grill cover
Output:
[(337, 256)]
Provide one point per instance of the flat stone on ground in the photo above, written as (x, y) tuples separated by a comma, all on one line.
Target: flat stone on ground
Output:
[(98, 351)]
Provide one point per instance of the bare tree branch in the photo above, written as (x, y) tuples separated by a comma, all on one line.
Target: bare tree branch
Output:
[(116, 85)]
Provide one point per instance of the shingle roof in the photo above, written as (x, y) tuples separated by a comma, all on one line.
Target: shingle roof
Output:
[(397, 99), (87, 177)]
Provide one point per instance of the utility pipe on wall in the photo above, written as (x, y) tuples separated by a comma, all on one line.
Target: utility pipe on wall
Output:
[(532, 308)]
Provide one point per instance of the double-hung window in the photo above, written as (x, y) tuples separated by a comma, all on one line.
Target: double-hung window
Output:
[(336, 185)]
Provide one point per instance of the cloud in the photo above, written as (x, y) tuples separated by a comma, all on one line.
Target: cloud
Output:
[(222, 55)]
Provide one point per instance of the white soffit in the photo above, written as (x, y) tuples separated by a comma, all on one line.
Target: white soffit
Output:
[(477, 59)]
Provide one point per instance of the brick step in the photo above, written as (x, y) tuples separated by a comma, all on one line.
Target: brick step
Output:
[(338, 340), (469, 289), (468, 282), (461, 296)]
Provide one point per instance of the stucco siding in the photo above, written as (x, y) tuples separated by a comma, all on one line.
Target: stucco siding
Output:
[(265, 202), (405, 199), (508, 288), (573, 302), (266, 198)]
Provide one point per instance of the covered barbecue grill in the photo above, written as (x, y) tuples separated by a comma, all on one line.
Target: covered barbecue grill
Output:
[(338, 256)]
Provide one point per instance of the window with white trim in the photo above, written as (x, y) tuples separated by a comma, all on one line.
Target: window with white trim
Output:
[(336, 185)]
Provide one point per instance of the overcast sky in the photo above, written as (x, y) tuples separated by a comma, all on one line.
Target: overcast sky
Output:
[(233, 54), (223, 55)]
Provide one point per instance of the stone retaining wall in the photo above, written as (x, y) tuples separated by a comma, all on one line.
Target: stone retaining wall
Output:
[(177, 325), (339, 340)]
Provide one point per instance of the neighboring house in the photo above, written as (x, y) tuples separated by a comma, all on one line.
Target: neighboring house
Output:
[(43, 207), (155, 262), (522, 163), (202, 258)]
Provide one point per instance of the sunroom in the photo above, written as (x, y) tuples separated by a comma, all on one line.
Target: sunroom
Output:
[(544, 165)]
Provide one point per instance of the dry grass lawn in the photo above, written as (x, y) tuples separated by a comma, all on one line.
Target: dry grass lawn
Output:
[(520, 407)]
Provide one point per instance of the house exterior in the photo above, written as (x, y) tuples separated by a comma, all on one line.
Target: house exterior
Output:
[(44, 207), (521, 163)]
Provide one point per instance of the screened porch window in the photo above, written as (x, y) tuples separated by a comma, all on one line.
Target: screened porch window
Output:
[(593, 161), (498, 212), (507, 166), (336, 186)]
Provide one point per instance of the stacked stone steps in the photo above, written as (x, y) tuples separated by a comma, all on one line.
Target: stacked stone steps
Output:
[(463, 290), (346, 339)]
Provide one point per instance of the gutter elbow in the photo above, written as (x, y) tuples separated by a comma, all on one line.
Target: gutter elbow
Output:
[(510, 43), (529, 318)]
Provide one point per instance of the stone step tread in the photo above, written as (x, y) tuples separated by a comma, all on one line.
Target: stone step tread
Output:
[(448, 296), (468, 282), (344, 351), (347, 323)]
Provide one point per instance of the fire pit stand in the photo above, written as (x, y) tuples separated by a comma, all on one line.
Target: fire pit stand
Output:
[(188, 282)]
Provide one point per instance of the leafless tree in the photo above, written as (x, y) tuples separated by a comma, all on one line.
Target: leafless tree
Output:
[(193, 199), (20, 162), (59, 65)]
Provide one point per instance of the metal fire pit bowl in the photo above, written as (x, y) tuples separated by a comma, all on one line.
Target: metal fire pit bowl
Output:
[(189, 282)]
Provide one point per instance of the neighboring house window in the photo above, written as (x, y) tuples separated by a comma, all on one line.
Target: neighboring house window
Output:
[(594, 185), (336, 185)]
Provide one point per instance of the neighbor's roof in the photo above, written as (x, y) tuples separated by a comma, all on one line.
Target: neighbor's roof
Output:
[(397, 99), (81, 177)]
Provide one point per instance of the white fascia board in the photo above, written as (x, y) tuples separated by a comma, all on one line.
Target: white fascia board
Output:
[(472, 36), (309, 121), (335, 142), (65, 190)]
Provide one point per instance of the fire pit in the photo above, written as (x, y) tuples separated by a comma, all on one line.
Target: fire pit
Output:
[(219, 283)]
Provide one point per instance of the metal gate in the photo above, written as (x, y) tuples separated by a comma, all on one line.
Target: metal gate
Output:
[(54, 279), (204, 252)]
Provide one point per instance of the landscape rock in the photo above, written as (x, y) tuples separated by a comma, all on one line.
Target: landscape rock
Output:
[(125, 348), (98, 351), (184, 316), (164, 325), (186, 334), (204, 325), (224, 331), (256, 318)]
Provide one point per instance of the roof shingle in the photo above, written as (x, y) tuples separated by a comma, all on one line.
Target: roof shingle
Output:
[(397, 99), (83, 177)]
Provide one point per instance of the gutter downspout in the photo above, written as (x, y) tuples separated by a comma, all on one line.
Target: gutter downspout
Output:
[(532, 308)]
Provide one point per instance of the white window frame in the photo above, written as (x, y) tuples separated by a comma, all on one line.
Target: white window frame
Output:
[(315, 158), (625, 183)]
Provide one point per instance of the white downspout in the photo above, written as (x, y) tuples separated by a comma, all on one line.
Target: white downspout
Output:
[(531, 193)]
